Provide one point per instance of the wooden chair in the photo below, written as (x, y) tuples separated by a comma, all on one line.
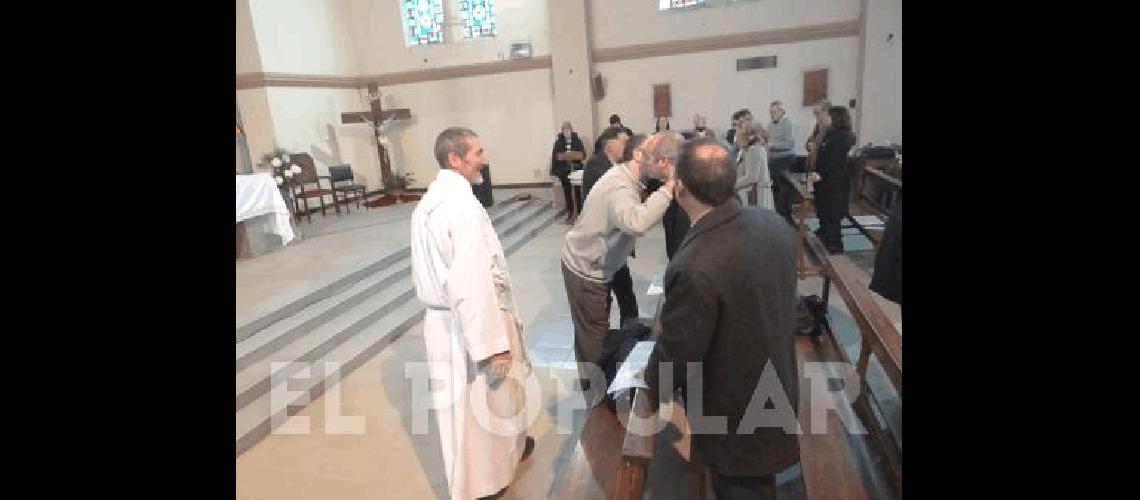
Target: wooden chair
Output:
[(309, 187), (343, 183)]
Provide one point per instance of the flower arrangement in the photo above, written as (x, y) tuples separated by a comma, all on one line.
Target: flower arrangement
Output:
[(285, 173)]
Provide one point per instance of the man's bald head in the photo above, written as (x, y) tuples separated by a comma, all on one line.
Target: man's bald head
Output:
[(705, 169)]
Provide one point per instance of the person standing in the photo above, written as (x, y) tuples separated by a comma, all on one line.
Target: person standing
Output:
[(731, 306), (567, 142), (472, 330)]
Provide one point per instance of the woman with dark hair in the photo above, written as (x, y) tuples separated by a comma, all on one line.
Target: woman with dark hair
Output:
[(831, 191), (659, 120), (567, 141)]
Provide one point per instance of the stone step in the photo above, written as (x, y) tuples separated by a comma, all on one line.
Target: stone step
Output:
[(369, 336), (337, 285), (286, 330), (498, 212), (254, 421), (313, 336)]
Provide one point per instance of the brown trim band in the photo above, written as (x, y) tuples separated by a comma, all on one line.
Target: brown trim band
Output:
[(257, 80), (741, 40), (613, 54)]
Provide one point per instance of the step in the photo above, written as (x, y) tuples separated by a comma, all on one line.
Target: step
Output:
[(254, 420), (542, 221), (280, 333), (323, 331), (254, 380), (249, 329), (368, 335), (501, 211)]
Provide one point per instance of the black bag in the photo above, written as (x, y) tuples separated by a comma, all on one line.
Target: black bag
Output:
[(615, 349), (811, 316)]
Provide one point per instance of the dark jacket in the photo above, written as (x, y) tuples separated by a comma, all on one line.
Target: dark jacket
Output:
[(887, 280), (675, 222), (560, 168), (832, 190), (598, 141), (597, 166), (730, 303)]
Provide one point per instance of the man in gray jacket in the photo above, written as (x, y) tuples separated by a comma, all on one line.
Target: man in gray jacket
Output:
[(781, 157), (603, 236)]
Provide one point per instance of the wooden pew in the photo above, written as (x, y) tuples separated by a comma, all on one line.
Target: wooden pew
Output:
[(835, 464), (879, 337), (887, 187), (617, 462)]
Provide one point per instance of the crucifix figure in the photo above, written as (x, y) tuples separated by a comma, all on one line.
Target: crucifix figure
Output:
[(375, 117)]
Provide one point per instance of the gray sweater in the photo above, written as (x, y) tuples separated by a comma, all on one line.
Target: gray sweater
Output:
[(780, 140), (611, 220)]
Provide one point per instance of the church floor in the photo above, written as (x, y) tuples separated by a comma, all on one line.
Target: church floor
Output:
[(389, 460)]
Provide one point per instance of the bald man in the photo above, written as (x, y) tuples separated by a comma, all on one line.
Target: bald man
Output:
[(730, 304)]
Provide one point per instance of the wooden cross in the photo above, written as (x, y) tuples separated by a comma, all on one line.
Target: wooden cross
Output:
[(376, 116)]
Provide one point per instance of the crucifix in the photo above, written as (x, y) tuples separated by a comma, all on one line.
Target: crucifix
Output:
[(375, 117)]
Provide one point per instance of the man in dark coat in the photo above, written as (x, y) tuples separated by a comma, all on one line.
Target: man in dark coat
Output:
[(730, 304), (612, 142), (567, 140), (615, 121)]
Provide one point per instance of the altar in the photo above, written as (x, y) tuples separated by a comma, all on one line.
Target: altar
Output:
[(264, 221)]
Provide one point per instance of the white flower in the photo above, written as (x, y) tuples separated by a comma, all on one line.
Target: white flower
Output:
[(276, 162), (279, 180), (288, 174), (295, 168), (285, 158)]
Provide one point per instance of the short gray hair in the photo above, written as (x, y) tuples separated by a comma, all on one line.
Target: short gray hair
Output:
[(778, 105), (452, 140), (668, 145)]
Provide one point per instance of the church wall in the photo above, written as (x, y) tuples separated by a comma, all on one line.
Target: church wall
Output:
[(248, 58), (258, 121), (308, 120), (304, 36), (708, 83), (511, 112), (632, 22), (882, 76), (309, 37), (377, 32)]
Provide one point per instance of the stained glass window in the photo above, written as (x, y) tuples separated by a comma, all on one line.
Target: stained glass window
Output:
[(478, 18), (678, 4), (423, 21)]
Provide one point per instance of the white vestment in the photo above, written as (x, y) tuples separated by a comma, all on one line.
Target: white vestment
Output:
[(460, 274)]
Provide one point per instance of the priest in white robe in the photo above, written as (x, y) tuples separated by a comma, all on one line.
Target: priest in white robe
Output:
[(471, 327)]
